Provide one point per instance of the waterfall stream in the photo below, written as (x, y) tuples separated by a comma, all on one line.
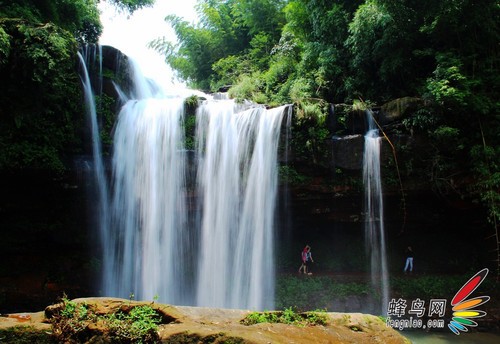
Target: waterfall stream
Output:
[(101, 183), (374, 213)]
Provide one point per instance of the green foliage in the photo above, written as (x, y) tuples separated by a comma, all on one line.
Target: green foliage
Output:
[(422, 120), (247, 87), (80, 17), (447, 134), (190, 123), (41, 108), (228, 71), (73, 310), (209, 54), (287, 316), (4, 46), (309, 130), (71, 323), (449, 86), (134, 324), (324, 58), (300, 90), (371, 35), (139, 325), (276, 78)]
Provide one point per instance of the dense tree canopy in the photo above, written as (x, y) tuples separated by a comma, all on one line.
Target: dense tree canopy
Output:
[(337, 50)]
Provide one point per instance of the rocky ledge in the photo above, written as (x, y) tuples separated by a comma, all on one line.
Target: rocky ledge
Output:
[(181, 324)]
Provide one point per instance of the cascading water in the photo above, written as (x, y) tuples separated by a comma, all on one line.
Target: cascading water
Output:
[(153, 247), (374, 210), (148, 240), (237, 154)]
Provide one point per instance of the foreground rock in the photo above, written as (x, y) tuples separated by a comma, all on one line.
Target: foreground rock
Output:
[(182, 324)]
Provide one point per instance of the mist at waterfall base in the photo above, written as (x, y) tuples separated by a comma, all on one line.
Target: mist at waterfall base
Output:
[(189, 227)]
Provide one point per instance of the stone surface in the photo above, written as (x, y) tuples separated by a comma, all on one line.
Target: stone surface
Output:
[(347, 151), (181, 323), (398, 108)]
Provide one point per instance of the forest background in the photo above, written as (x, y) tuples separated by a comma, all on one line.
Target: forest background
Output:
[(311, 53)]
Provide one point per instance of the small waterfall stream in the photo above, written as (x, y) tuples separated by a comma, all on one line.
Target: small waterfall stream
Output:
[(101, 184), (156, 244), (374, 213)]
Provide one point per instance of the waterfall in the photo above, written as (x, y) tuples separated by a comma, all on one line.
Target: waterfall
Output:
[(237, 159), (207, 242), (147, 254), (374, 212)]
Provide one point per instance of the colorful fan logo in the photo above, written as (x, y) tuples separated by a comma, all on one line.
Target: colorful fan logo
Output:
[(463, 309)]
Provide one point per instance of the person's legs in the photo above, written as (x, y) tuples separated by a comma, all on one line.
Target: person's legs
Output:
[(407, 264), (411, 264)]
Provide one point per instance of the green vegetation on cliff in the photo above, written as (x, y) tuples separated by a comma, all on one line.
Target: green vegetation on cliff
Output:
[(41, 110)]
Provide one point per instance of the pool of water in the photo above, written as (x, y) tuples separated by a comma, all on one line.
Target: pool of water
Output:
[(446, 338)]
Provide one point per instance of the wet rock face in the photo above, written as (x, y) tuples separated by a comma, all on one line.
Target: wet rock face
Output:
[(347, 144), (347, 151)]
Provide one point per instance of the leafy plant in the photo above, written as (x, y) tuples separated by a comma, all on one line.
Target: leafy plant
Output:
[(449, 85), (139, 325), (287, 316)]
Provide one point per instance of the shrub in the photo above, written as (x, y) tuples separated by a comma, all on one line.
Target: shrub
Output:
[(288, 316), (79, 322)]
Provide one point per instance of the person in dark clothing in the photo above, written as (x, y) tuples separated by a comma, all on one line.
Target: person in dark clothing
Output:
[(409, 259)]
